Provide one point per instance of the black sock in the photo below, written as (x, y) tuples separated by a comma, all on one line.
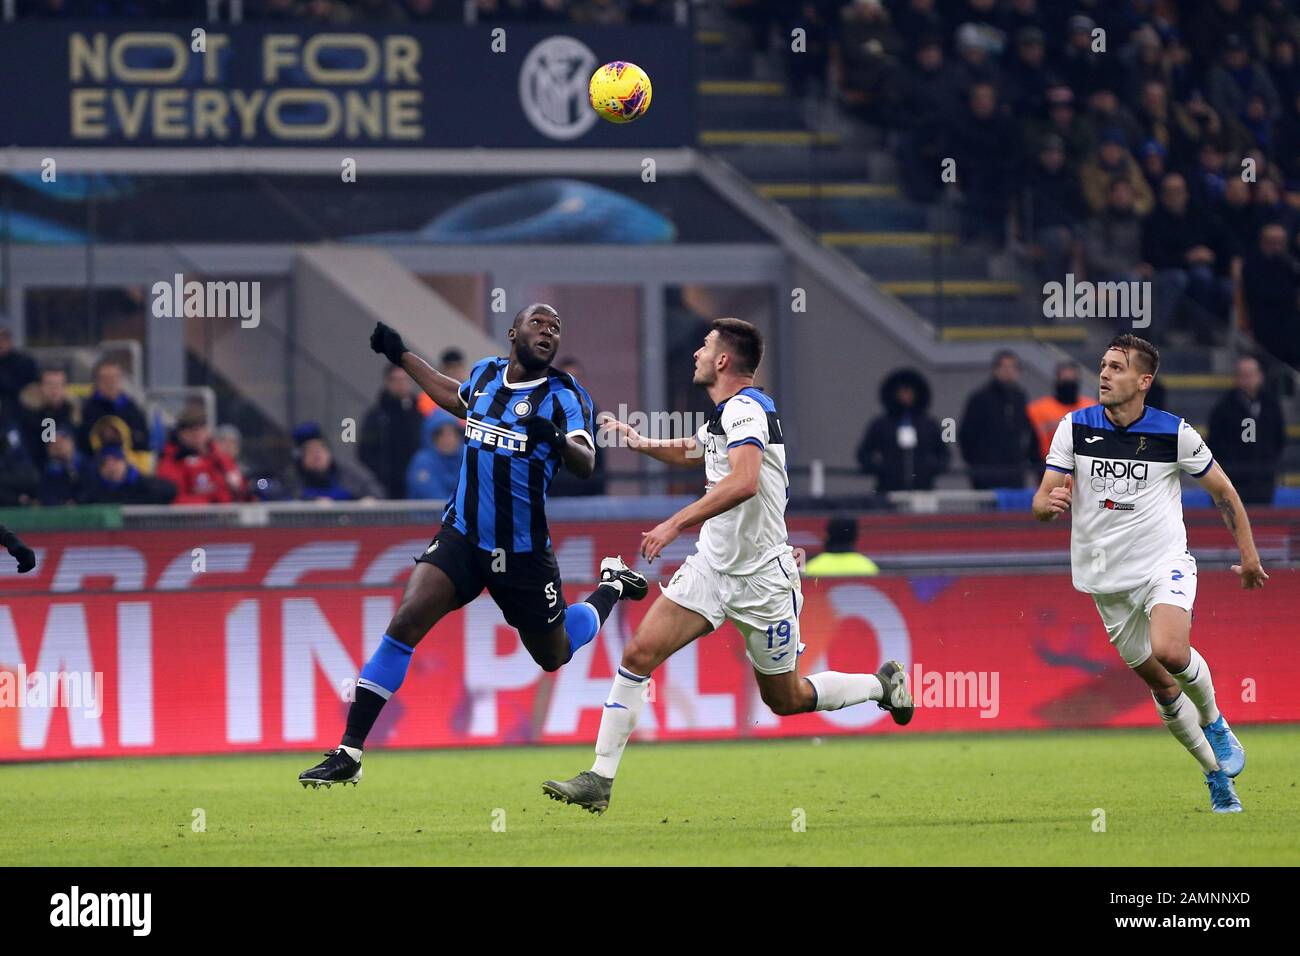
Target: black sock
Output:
[(603, 600), (362, 716)]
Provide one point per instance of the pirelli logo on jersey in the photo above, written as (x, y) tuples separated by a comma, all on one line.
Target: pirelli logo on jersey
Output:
[(494, 436)]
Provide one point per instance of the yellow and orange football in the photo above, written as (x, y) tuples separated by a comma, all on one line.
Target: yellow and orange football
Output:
[(620, 92)]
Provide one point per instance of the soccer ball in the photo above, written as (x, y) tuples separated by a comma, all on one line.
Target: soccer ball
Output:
[(620, 92)]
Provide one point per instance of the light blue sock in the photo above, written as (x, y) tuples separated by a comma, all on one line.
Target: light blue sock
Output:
[(386, 669), (581, 622)]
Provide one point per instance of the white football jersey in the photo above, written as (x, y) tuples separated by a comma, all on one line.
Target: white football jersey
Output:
[(1127, 510), (743, 538)]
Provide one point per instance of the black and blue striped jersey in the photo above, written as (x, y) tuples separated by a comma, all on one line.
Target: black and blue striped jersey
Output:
[(500, 496)]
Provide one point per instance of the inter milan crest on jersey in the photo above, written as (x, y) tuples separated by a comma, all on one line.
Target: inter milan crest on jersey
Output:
[(522, 408)]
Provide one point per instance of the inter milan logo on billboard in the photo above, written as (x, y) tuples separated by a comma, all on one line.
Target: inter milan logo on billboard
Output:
[(553, 87)]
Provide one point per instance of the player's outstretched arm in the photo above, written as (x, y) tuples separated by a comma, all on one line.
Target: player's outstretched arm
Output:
[(678, 452), (1054, 494), (1226, 499), (739, 486), (443, 389)]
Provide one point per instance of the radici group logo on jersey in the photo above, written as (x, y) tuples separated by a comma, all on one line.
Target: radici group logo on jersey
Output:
[(553, 87)]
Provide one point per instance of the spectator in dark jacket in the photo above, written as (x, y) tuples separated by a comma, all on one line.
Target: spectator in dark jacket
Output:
[(1232, 82), (1112, 242), (1083, 69), (1186, 248), (110, 401), (1060, 116), (315, 474), (985, 172), (61, 474), (926, 93), (19, 479), (1248, 434), (865, 59), (390, 433), (1270, 281), (1106, 112), (53, 410), (1026, 73), (1051, 209), (904, 447), (17, 370), (995, 435), (116, 481), (915, 20)]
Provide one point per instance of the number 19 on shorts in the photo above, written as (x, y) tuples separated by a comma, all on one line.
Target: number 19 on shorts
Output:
[(778, 635)]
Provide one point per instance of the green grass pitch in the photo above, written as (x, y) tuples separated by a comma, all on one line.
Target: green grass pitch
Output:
[(1018, 799)]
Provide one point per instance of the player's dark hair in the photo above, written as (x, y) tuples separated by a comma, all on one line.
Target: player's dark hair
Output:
[(533, 309), (1138, 350), (742, 341)]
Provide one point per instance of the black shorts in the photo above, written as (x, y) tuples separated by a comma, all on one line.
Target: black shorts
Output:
[(524, 584)]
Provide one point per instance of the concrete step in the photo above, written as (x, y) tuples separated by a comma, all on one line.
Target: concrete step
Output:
[(794, 164), (995, 312), (917, 262), (742, 113), (766, 138), (954, 289), (848, 215), (983, 332), (876, 240), (732, 92), (827, 190)]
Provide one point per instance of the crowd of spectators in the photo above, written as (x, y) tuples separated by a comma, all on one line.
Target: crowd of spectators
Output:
[(56, 449), (104, 448), (1003, 437), (1107, 138)]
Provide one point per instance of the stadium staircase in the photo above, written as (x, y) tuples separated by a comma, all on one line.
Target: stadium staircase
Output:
[(836, 176)]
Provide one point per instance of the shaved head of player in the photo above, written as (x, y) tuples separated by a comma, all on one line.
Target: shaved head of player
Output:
[(535, 337)]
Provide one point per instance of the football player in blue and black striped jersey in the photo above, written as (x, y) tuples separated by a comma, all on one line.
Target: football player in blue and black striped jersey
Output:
[(523, 421)]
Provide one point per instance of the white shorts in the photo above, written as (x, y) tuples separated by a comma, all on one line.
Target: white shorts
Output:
[(1127, 614), (764, 606)]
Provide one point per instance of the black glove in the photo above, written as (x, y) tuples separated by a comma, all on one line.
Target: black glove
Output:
[(388, 343), (24, 555), (543, 431)]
